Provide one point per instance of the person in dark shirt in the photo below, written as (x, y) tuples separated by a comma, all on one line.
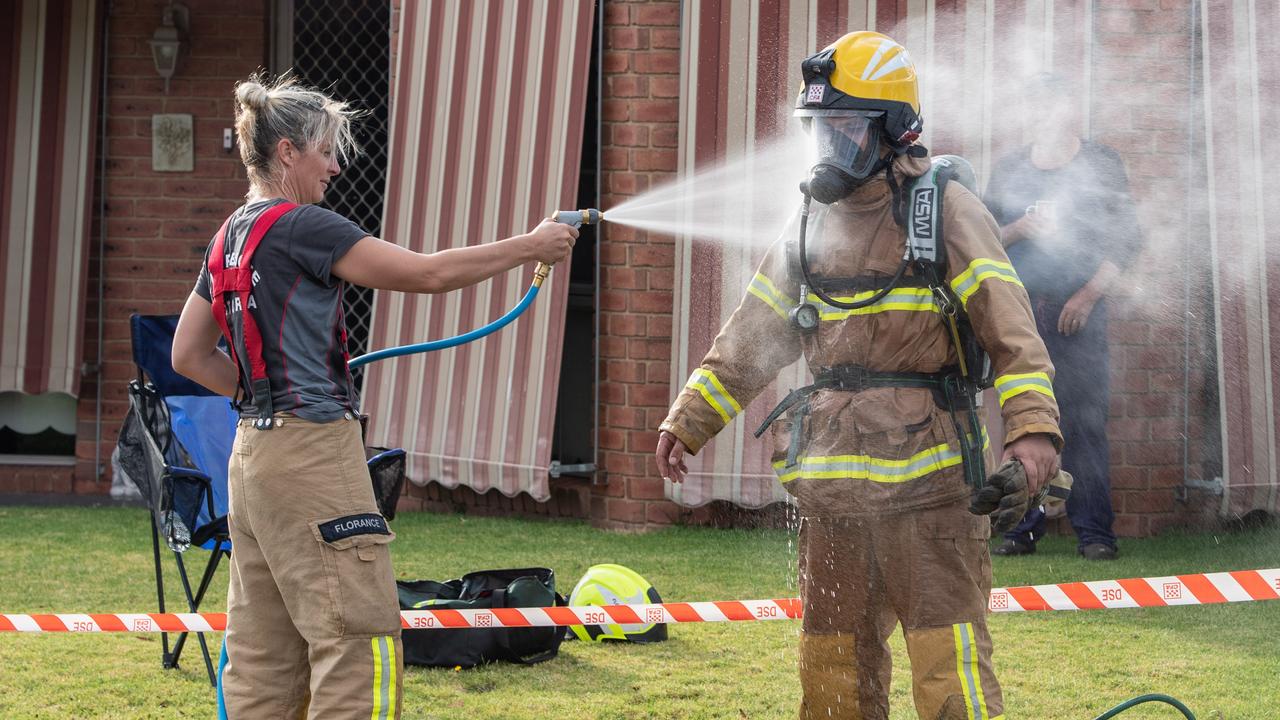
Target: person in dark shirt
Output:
[(1071, 230), (313, 623)]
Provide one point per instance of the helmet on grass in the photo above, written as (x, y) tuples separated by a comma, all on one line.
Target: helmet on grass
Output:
[(616, 585)]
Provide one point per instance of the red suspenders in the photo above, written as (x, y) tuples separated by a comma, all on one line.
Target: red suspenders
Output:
[(238, 282)]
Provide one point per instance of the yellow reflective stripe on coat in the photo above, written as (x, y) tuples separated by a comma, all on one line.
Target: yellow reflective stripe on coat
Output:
[(908, 299), (384, 677), (763, 288), (975, 703), (865, 467), (967, 282), (708, 385), (1010, 385)]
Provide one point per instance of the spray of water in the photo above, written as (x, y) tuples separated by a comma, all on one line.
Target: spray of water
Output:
[(744, 202)]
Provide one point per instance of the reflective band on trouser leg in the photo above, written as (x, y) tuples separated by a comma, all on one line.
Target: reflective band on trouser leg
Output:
[(768, 293), (967, 282), (384, 677), (1008, 386), (967, 670), (709, 387)]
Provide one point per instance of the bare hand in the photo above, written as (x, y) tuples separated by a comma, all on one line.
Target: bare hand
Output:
[(1039, 458), (1030, 227), (670, 457), (1075, 314), (552, 241)]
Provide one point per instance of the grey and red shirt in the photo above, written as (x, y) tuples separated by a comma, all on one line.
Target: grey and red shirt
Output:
[(297, 304)]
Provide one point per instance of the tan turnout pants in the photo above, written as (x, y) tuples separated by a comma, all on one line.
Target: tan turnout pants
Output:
[(313, 626), (860, 577)]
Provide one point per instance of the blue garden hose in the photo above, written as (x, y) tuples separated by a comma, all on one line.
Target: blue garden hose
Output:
[(576, 218)]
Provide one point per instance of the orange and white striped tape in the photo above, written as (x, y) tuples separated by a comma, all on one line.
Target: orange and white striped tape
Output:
[(1202, 589)]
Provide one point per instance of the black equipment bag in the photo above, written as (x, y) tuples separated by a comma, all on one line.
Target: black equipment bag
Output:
[(528, 587)]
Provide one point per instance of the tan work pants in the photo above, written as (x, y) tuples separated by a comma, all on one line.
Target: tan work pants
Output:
[(313, 627), (860, 576)]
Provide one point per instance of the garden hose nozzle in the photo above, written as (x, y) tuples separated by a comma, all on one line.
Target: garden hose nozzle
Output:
[(575, 218), (578, 218)]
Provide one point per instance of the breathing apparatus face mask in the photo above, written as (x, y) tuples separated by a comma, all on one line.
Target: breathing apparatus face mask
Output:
[(846, 152)]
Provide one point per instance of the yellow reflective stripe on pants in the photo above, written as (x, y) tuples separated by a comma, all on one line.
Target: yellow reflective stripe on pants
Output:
[(967, 669), (384, 677), (768, 293), (967, 282), (908, 299), (708, 385), (1008, 386)]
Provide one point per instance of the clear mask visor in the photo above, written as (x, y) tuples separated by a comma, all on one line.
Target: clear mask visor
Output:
[(850, 142)]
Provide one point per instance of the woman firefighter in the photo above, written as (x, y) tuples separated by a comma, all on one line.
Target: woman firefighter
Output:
[(313, 627), (882, 452)]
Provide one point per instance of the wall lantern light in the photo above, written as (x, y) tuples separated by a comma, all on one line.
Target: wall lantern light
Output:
[(166, 41)]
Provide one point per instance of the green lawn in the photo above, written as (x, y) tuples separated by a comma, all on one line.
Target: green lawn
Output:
[(1223, 661)]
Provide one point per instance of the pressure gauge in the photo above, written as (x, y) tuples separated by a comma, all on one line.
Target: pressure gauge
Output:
[(804, 317)]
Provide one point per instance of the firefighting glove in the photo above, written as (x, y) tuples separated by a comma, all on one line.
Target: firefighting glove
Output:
[(1004, 497)]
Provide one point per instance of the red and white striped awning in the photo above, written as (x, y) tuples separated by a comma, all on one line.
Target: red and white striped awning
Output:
[(739, 75), (486, 133), (48, 84)]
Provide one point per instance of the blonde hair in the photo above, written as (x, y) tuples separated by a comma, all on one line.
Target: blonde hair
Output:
[(267, 112)]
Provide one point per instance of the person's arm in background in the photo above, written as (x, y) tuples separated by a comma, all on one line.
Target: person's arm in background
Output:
[(1015, 224), (1117, 224)]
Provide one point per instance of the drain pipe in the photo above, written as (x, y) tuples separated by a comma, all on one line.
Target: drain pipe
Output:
[(1192, 28), (102, 240)]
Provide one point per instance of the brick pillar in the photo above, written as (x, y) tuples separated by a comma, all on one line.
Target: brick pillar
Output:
[(641, 72)]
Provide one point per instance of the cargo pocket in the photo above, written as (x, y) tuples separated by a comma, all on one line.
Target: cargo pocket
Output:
[(951, 572), (357, 563), (896, 429)]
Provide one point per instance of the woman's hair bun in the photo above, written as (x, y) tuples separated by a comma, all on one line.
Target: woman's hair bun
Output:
[(252, 95)]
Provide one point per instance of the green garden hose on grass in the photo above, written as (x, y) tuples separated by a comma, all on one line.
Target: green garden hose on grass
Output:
[(1151, 697)]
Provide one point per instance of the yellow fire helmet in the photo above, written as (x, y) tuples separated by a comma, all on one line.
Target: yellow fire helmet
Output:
[(616, 585), (864, 74)]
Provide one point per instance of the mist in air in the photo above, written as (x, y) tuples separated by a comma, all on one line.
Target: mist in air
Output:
[(744, 202)]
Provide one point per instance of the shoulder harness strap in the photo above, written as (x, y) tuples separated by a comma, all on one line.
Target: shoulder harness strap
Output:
[(232, 275)]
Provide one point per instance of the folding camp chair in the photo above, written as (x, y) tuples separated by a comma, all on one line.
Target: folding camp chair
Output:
[(174, 445)]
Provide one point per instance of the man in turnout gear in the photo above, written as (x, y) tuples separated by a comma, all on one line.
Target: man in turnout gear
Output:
[(872, 452)]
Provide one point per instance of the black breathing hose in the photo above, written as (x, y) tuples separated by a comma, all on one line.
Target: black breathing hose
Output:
[(808, 280)]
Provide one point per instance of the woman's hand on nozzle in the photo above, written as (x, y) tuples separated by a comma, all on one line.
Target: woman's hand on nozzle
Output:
[(552, 241)]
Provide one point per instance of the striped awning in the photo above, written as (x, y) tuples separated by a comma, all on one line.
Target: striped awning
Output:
[(48, 82), (739, 75), (486, 133), (1240, 54)]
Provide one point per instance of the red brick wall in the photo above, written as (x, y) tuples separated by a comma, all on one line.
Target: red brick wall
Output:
[(158, 224), (1142, 108)]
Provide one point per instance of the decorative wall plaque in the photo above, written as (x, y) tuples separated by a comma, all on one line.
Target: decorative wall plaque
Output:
[(172, 143)]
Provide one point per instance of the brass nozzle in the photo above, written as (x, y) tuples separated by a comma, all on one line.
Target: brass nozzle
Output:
[(578, 218), (540, 274)]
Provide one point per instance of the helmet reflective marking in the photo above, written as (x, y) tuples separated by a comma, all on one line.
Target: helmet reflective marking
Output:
[(885, 46)]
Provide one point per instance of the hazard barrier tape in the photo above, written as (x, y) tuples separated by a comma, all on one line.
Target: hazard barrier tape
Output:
[(1203, 589)]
